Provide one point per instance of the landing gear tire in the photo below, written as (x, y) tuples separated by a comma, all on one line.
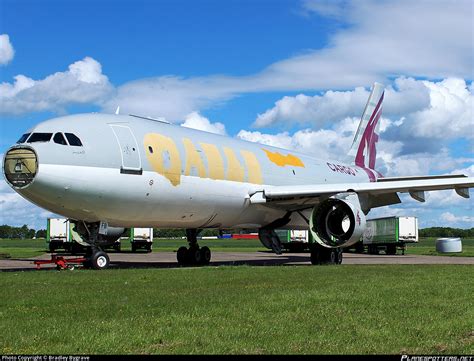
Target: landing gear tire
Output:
[(193, 256), (205, 255), (321, 255), (99, 260), (182, 255)]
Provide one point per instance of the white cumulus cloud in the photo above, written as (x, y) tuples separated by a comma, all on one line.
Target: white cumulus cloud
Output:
[(82, 83), (6, 49), (451, 218), (195, 120), (407, 96)]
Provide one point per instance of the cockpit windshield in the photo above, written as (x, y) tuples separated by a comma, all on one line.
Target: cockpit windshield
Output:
[(23, 138), (40, 137), (73, 140), (59, 138)]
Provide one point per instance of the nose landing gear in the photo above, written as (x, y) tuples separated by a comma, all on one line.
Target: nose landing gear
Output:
[(193, 255), (98, 260)]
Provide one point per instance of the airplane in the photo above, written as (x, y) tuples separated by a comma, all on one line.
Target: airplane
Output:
[(109, 172)]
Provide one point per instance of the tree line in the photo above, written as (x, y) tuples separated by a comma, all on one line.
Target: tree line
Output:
[(21, 232), (446, 232)]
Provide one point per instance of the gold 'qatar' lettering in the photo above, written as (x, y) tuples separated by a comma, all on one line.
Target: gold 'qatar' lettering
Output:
[(215, 162), (164, 158), (193, 159), (235, 171), (254, 171), (163, 146)]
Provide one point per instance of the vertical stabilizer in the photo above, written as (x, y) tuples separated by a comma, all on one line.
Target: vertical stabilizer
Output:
[(363, 150)]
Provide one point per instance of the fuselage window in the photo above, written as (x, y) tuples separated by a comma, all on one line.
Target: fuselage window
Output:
[(40, 137), (59, 138), (73, 140), (150, 149), (23, 138)]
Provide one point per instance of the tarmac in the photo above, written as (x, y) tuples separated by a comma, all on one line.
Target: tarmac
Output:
[(159, 259)]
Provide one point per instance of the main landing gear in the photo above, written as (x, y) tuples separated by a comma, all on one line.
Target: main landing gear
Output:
[(323, 255), (193, 255)]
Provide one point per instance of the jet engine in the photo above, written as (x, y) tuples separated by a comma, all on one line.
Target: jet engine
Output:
[(338, 221)]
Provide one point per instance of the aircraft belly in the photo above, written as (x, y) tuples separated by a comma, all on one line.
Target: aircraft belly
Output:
[(93, 194)]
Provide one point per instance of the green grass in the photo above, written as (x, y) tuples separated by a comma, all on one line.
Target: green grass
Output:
[(390, 309), (427, 246), (22, 248)]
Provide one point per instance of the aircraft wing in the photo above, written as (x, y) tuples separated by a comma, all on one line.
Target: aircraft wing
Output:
[(380, 193)]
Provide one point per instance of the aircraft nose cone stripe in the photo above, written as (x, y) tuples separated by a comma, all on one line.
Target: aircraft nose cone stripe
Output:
[(20, 166)]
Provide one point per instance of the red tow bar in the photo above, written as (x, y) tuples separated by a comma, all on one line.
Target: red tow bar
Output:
[(61, 262)]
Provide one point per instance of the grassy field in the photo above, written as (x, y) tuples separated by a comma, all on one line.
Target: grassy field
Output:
[(427, 246), (234, 310), (22, 248)]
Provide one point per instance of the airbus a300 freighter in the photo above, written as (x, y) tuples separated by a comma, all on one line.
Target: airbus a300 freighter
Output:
[(108, 172)]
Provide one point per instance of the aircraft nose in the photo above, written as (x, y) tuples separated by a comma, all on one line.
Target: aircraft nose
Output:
[(20, 166)]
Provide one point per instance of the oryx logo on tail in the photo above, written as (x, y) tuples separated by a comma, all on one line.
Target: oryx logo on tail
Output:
[(364, 151)]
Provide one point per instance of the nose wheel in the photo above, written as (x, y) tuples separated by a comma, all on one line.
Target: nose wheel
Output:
[(193, 255), (98, 260)]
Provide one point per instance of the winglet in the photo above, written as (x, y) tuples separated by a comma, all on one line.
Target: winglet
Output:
[(363, 150)]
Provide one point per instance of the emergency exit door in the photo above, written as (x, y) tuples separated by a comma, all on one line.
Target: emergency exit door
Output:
[(131, 161)]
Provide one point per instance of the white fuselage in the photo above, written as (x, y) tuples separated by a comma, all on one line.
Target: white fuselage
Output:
[(135, 172)]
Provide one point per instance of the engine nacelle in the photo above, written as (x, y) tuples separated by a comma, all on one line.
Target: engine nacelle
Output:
[(338, 221)]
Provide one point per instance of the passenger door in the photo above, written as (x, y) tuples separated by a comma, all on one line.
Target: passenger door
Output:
[(131, 161)]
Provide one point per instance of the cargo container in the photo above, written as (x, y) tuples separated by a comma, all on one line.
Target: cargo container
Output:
[(295, 240), (141, 238), (388, 234), (57, 233)]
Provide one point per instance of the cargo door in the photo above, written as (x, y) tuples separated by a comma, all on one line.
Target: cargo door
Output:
[(131, 161), (408, 229)]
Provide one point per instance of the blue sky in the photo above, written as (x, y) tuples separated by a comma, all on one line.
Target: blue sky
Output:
[(294, 74)]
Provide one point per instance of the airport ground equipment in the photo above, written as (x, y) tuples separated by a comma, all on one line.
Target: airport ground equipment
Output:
[(141, 238), (97, 259), (57, 233), (295, 240), (388, 234), (61, 262)]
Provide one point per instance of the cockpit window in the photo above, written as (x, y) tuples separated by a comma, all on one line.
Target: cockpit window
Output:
[(23, 138), (40, 137), (73, 140), (59, 138)]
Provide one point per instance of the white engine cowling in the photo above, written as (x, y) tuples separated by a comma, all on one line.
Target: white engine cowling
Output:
[(338, 221)]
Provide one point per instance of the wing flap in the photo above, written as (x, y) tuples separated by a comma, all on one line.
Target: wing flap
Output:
[(385, 189)]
